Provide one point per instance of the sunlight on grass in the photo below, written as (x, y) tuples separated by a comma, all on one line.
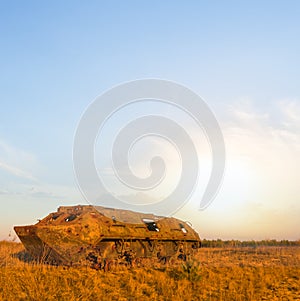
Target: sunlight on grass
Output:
[(261, 273)]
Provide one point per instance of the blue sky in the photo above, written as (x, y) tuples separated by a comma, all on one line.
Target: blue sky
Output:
[(241, 57)]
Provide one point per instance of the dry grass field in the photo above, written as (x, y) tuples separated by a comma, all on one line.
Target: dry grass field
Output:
[(256, 273)]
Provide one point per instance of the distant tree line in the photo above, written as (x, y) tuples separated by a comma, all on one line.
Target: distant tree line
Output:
[(218, 243)]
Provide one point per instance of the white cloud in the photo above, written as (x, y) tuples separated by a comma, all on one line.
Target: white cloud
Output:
[(17, 171), (17, 162), (259, 135), (291, 111)]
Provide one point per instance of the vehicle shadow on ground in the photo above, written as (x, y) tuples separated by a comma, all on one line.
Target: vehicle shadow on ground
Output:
[(23, 256)]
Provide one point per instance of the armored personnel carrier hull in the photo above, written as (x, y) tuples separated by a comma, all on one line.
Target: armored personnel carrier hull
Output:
[(93, 235)]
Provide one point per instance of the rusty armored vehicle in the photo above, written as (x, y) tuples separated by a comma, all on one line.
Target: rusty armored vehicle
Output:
[(95, 235)]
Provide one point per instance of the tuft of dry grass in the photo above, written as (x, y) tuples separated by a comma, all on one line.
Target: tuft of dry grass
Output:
[(261, 273)]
